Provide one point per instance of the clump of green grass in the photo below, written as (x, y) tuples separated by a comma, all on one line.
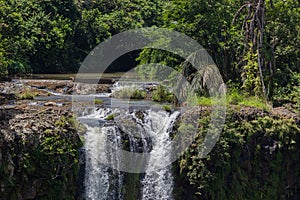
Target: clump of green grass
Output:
[(61, 122), (167, 108), (26, 95), (98, 101), (254, 102), (234, 97), (205, 101), (110, 117), (239, 100), (161, 94), (129, 92), (48, 131), (138, 94)]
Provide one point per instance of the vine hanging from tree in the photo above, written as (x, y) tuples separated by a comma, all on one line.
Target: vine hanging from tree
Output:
[(254, 28)]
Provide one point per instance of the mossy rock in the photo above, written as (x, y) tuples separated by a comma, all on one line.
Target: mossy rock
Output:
[(253, 158)]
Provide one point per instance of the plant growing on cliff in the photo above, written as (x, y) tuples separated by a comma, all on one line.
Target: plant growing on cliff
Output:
[(167, 108), (237, 165)]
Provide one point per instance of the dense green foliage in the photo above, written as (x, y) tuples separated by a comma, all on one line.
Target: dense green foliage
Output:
[(256, 157), (254, 43), (44, 36), (261, 60)]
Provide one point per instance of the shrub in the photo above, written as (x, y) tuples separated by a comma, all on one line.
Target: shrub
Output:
[(3, 66), (161, 94), (129, 92), (289, 93), (18, 67)]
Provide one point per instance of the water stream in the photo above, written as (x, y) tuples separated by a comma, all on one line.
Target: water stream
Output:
[(141, 129), (146, 131), (158, 181)]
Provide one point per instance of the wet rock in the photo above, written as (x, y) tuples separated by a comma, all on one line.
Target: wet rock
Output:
[(140, 115), (50, 103), (48, 87)]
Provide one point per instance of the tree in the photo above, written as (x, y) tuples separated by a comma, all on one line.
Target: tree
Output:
[(268, 29)]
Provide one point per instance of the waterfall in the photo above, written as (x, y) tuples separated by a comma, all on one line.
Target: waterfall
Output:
[(145, 132), (158, 181), (102, 182), (97, 176)]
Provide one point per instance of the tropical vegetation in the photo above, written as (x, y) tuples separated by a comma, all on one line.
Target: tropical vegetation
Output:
[(255, 44)]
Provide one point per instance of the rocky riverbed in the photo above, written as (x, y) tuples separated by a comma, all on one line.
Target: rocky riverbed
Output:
[(50, 87)]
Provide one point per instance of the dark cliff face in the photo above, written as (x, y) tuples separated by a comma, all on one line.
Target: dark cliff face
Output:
[(256, 157), (38, 154)]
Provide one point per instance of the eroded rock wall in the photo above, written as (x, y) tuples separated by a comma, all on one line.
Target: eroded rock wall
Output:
[(38, 154)]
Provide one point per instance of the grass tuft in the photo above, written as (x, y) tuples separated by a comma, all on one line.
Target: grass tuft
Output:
[(234, 98), (161, 94), (167, 108), (98, 101), (110, 117), (26, 95), (129, 92)]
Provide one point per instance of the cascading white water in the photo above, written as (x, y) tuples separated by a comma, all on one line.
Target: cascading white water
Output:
[(149, 133), (158, 181), (102, 182), (116, 180), (96, 175)]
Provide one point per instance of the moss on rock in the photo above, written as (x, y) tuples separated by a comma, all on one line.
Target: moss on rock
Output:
[(256, 157), (38, 154)]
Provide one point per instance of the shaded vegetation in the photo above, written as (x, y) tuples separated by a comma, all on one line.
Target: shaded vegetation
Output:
[(256, 157)]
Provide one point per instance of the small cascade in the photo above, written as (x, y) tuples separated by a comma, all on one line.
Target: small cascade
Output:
[(101, 181), (116, 179), (158, 181), (96, 174), (134, 131)]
